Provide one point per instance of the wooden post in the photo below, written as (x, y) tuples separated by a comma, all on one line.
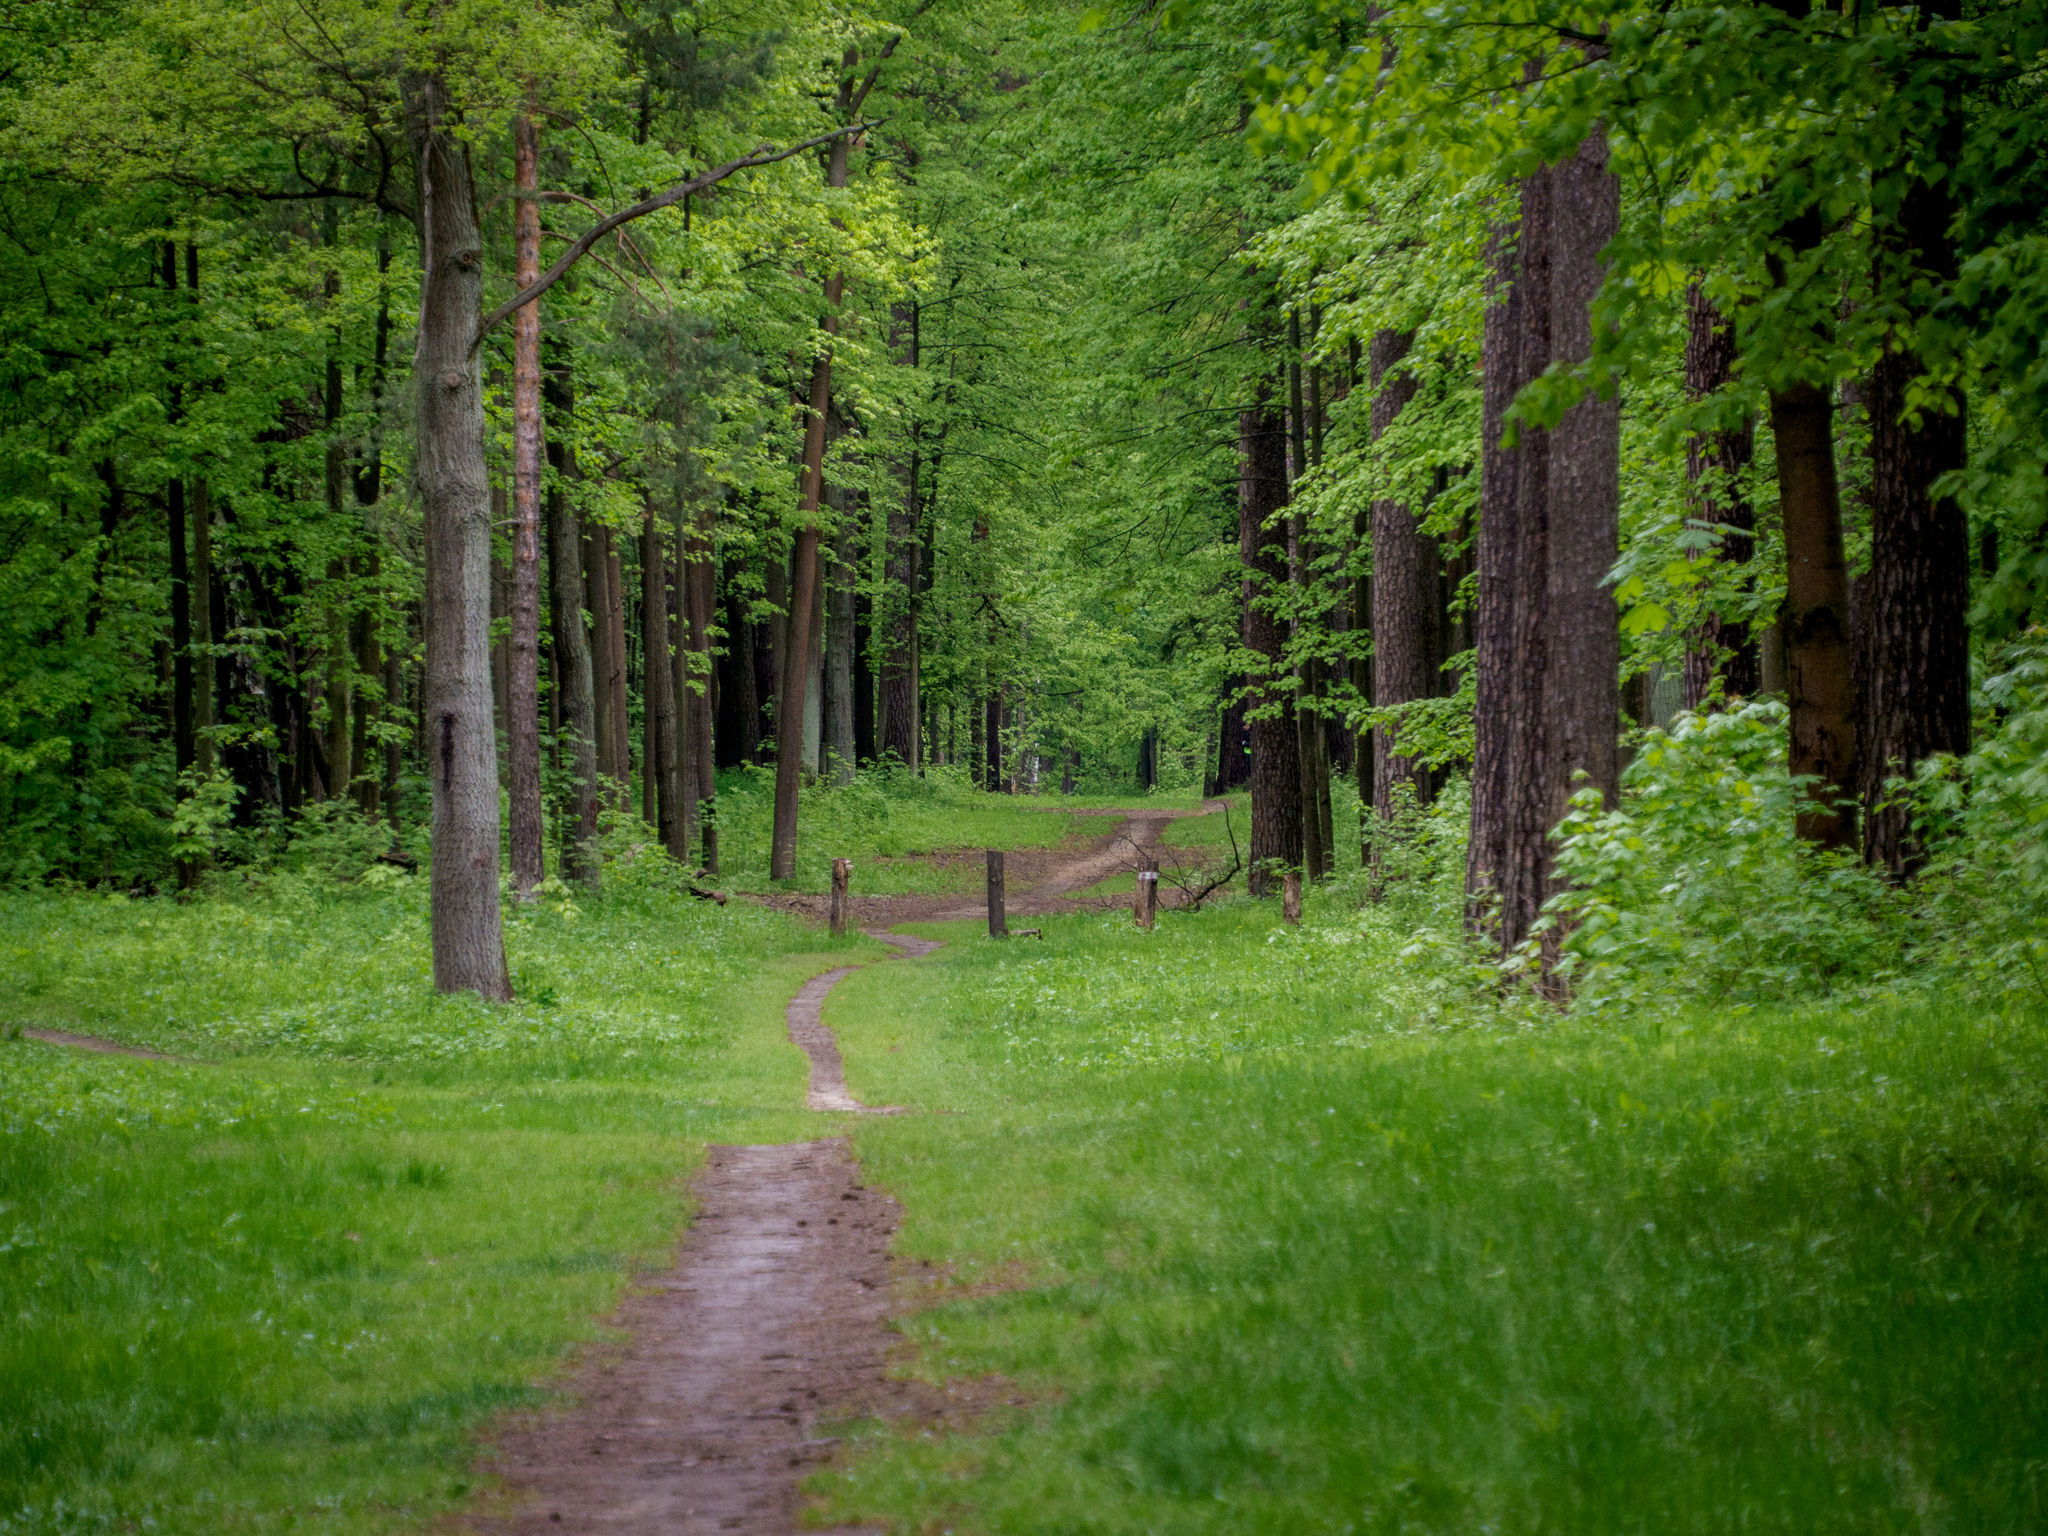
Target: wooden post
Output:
[(1290, 897), (998, 920), (1148, 898), (842, 876)]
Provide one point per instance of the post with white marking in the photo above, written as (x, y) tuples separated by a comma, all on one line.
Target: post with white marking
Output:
[(842, 876), (998, 920), (1147, 904)]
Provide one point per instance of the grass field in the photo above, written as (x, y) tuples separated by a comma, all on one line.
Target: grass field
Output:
[(281, 1288), (1274, 1258), (1270, 1243)]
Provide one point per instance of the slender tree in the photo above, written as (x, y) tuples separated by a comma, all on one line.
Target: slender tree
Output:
[(1276, 841), (522, 724)]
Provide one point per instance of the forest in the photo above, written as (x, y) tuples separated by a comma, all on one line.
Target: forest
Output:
[(572, 572)]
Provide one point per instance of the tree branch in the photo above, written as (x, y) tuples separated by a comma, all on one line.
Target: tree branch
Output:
[(762, 156)]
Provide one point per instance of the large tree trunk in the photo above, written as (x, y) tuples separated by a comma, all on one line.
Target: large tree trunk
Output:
[(1713, 461), (1916, 665), (573, 678), (1505, 864), (1581, 684), (522, 722), (468, 938), (1276, 844), (1406, 666)]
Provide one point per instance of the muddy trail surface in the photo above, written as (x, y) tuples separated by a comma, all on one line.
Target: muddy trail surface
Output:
[(1036, 880), (739, 1363)]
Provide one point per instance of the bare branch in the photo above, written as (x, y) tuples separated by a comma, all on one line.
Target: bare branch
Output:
[(765, 155)]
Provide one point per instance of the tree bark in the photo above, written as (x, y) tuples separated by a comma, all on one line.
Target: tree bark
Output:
[(183, 736), (574, 682), (619, 709), (1406, 665), (739, 699), (1915, 697), (657, 704), (839, 737), (468, 939), (201, 577), (1582, 677), (522, 721), (1713, 461), (1276, 844), (1504, 869)]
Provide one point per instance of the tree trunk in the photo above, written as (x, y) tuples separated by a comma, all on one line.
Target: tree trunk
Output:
[(183, 734), (1582, 677), (682, 701), (468, 938), (789, 707), (1276, 750), (739, 698), (1307, 724), (1505, 864), (1916, 665), (839, 740), (1819, 674), (621, 661), (574, 682), (522, 721), (899, 695), (1406, 665), (657, 705), (202, 585), (1713, 461)]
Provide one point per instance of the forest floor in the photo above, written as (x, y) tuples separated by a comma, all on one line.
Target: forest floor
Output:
[(1226, 1228)]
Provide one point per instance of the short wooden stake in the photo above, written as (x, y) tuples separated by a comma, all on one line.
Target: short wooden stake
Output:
[(998, 918), (1290, 897), (842, 876), (1147, 905)]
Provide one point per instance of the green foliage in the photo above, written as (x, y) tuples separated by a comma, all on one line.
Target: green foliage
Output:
[(1694, 890)]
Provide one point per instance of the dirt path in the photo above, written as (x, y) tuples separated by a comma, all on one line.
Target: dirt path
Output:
[(769, 1330), (95, 1043), (1040, 880)]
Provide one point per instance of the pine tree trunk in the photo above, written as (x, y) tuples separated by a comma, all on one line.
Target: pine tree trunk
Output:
[(681, 700), (1406, 666), (522, 721), (1276, 751), (1916, 661), (468, 939), (1722, 647), (574, 681)]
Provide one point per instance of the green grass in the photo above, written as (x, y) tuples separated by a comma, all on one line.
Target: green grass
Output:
[(282, 1288), (1273, 1256)]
